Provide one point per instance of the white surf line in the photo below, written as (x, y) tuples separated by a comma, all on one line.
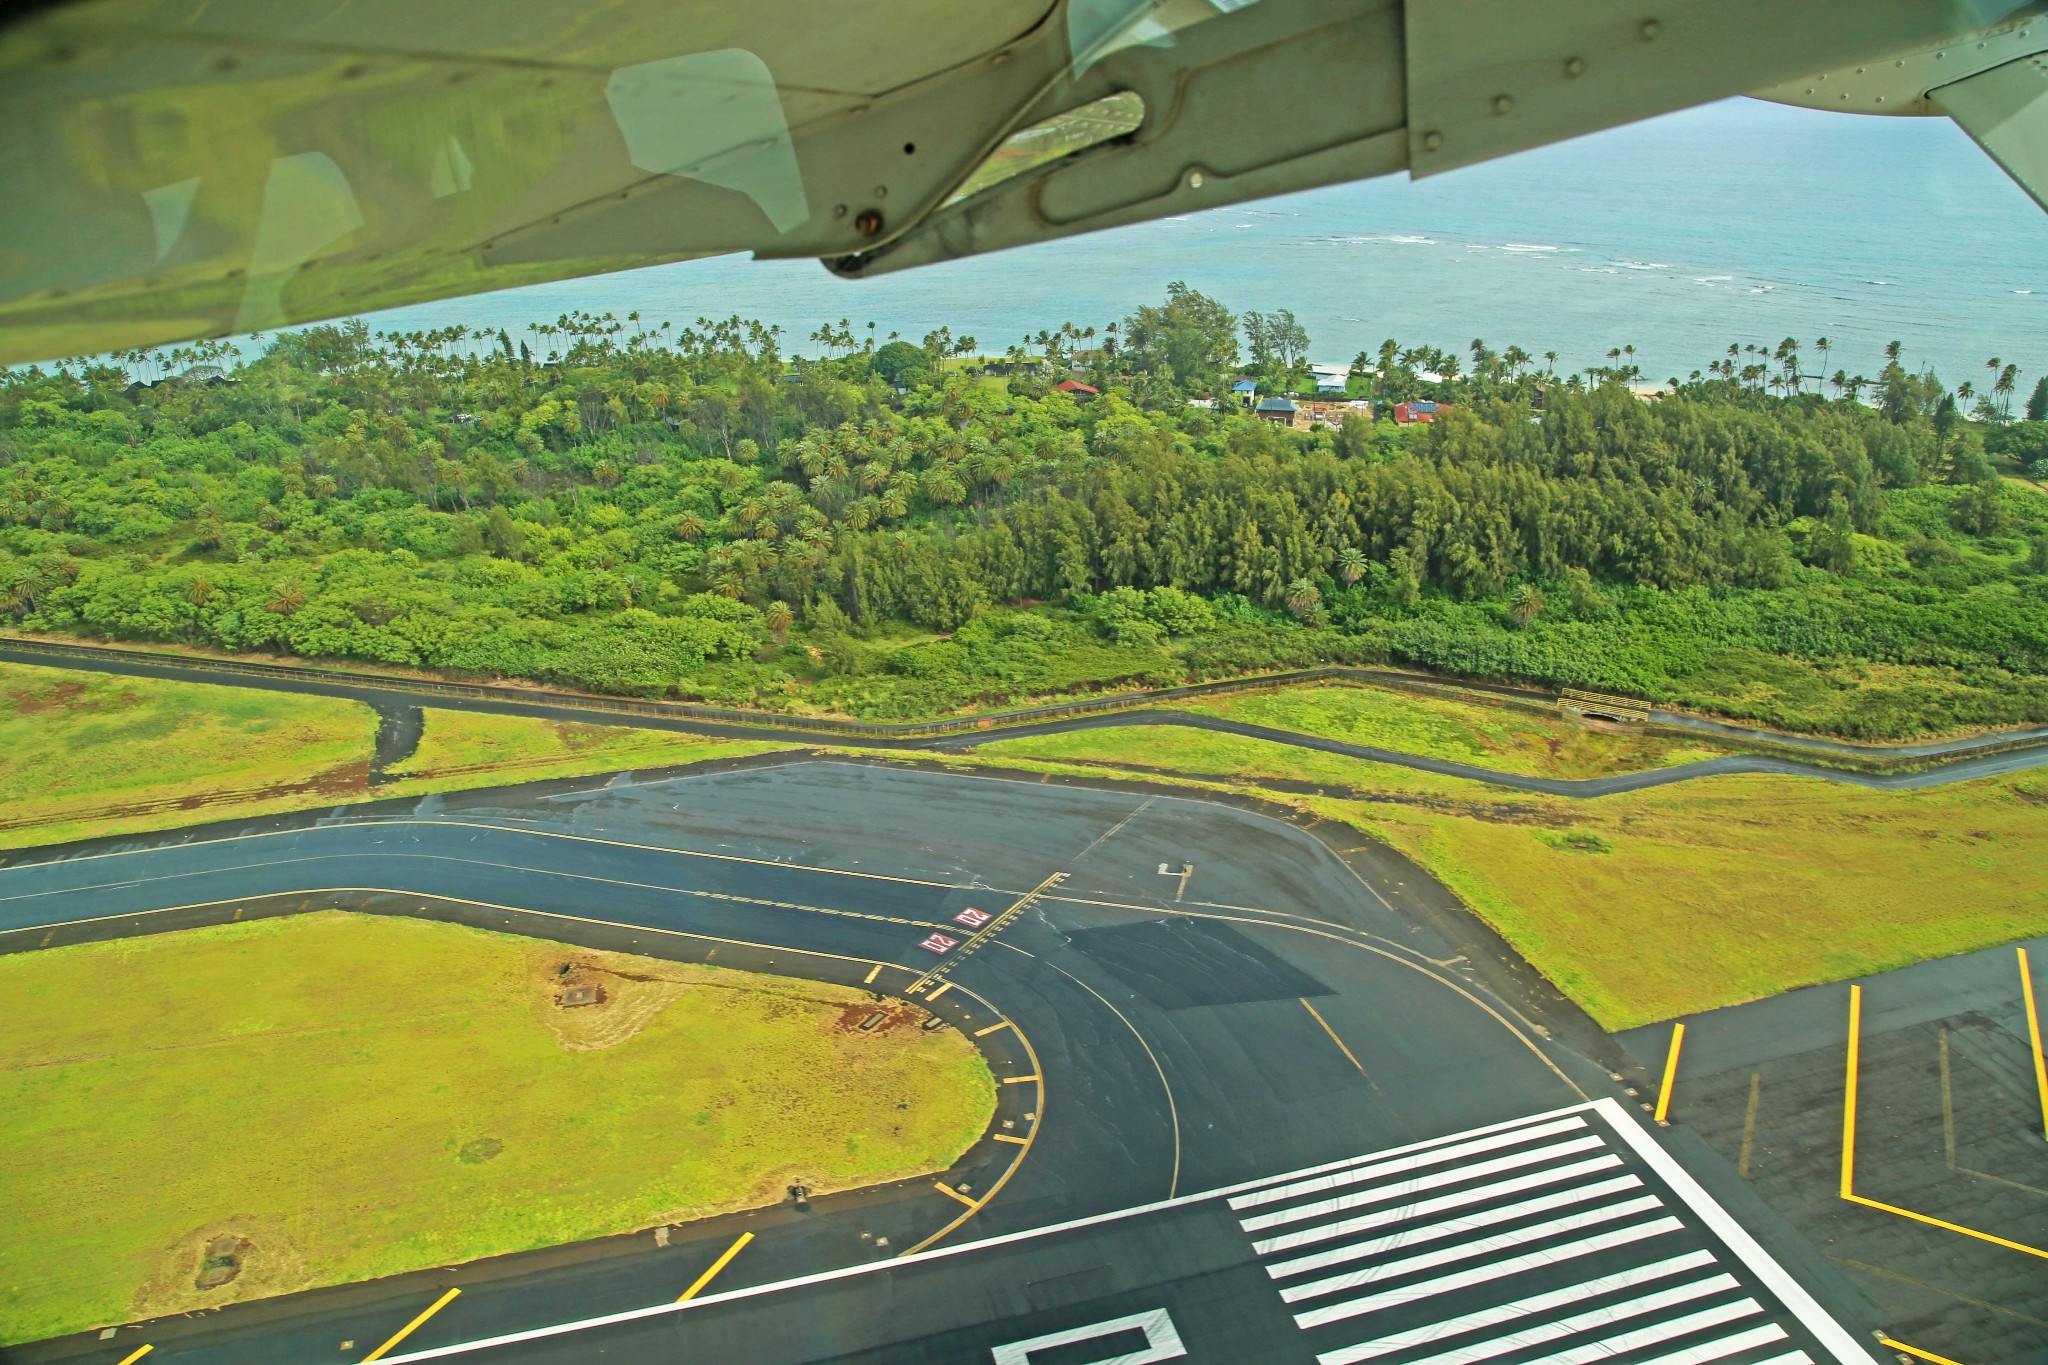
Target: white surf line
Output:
[(1325, 1183), (1789, 1292), (1536, 1335), (1288, 1241), (1360, 1198), (1611, 1348), (1498, 1270), (1465, 1251), (1520, 1308), (1452, 1227)]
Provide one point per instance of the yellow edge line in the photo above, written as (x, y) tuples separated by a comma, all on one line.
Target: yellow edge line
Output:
[(1333, 1036), (943, 1188), (2034, 1035), (1849, 1154), (1670, 1072), (712, 1273), (436, 1306), (1004, 1178), (139, 1353), (1915, 1351)]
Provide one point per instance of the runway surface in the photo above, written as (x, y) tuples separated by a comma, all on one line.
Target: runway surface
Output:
[(1178, 997)]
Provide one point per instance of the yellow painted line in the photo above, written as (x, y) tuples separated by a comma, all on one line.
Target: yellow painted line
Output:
[(1849, 1093), (712, 1273), (1670, 1072), (1915, 1351), (1946, 1226), (985, 1032), (1756, 1084), (943, 1188), (870, 979), (1006, 1137), (1017, 1080), (138, 1354), (1333, 1036), (943, 988), (436, 1306), (2034, 1035)]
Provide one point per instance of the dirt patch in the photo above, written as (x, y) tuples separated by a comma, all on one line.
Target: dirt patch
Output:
[(65, 697), (592, 1000), (878, 1017), (267, 1264)]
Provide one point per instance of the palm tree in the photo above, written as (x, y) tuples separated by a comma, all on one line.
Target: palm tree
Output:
[(1303, 598), (779, 617), (1350, 565), (1528, 604)]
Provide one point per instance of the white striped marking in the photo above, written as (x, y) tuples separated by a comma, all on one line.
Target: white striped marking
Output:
[(1514, 1265), (1288, 1241), (1465, 1251), (1593, 1320), (1610, 1347), (1452, 1227), (1728, 1346), (1360, 1198), (1520, 1308), (1322, 1184)]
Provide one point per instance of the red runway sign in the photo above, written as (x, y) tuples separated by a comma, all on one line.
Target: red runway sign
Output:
[(940, 943), (972, 917)]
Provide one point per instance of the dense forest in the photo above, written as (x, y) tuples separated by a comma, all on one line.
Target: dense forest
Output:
[(894, 529)]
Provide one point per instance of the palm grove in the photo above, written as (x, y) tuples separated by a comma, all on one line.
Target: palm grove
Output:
[(887, 529)]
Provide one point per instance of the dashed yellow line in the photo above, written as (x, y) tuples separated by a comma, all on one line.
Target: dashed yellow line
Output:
[(869, 979), (710, 1274), (436, 1306)]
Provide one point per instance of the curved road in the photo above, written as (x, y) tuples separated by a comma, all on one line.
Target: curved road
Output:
[(2012, 751), (1258, 1008)]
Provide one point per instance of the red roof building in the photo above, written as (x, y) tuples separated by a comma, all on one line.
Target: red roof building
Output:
[(1077, 388), (1421, 410)]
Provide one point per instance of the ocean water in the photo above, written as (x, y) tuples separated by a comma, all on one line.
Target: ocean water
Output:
[(1738, 222)]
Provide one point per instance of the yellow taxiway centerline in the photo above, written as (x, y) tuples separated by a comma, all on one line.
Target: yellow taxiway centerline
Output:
[(436, 1306), (712, 1272)]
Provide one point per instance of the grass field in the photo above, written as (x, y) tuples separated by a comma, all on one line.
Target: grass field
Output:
[(460, 749), (1506, 739), (356, 1096), (89, 753), (1659, 903)]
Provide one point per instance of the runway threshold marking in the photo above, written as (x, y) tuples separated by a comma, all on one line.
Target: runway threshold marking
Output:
[(1670, 1073), (1848, 1190), (436, 1306), (711, 1272)]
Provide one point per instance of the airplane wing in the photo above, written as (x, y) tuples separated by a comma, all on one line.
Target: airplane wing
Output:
[(186, 168), (2006, 110)]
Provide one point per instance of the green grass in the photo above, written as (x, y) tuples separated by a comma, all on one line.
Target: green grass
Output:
[(90, 753), (1506, 739), (460, 749), (325, 1085), (1654, 904)]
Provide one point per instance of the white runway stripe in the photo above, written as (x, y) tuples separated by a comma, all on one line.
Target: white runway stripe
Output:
[(1593, 1320), (1288, 1241), (1452, 1227), (1463, 1279), (1789, 1358), (1520, 1308), (1465, 1251), (1728, 1346), (1350, 1161), (1360, 1198), (1436, 1156), (1621, 1346)]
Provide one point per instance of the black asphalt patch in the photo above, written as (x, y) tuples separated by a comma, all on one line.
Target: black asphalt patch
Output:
[(1183, 963)]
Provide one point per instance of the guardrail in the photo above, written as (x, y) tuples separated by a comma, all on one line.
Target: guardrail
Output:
[(1604, 705)]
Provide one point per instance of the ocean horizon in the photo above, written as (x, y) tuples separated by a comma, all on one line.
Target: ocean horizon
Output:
[(1740, 222)]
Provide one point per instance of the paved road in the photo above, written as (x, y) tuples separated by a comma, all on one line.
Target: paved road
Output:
[(1207, 998), (1965, 759)]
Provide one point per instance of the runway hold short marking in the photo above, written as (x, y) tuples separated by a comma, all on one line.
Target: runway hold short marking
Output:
[(939, 943), (972, 917)]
